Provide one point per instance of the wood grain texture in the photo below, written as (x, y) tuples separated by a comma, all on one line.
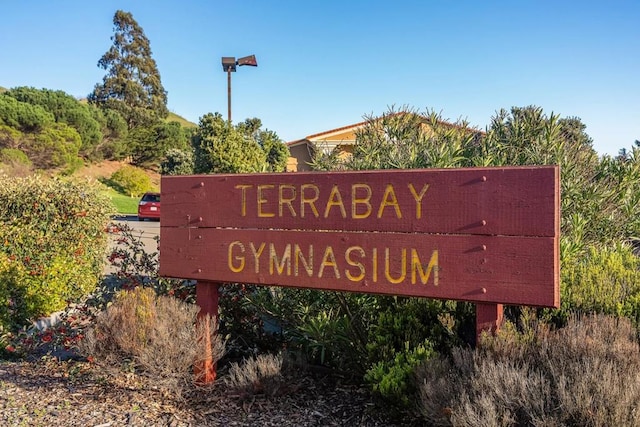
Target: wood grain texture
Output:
[(488, 269), (489, 318), (485, 235), (514, 201)]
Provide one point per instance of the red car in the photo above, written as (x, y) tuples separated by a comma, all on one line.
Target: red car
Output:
[(149, 207)]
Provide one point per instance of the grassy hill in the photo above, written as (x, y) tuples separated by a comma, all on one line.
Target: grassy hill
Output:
[(102, 172), (173, 117)]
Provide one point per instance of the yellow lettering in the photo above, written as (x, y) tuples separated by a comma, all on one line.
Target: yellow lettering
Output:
[(243, 188), (416, 266), (329, 260), (375, 265), (418, 198), (355, 201), (335, 199), (256, 255), (347, 256), (262, 200), (282, 200), (307, 264), (387, 266), (304, 200), (389, 199), (236, 268), (282, 263)]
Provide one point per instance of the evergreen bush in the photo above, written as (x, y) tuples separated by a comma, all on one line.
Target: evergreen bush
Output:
[(14, 156), (52, 245), (131, 180), (177, 162)]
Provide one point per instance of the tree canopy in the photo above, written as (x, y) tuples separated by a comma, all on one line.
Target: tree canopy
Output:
[(132, 85), (220, 147), (277, 153), (150, 144), (65, 109), (22, 115)]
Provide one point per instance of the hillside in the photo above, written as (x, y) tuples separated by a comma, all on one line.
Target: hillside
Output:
[(173, 117), (105, 169)]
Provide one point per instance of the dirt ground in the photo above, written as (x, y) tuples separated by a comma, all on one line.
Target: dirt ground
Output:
[(75, 393)]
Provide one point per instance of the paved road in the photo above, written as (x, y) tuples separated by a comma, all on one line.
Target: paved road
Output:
[(145, 230)]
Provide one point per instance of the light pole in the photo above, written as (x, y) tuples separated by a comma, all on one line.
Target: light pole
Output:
[(229, 64)]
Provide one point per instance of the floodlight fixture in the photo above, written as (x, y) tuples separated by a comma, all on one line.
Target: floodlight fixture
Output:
[(229, 64)]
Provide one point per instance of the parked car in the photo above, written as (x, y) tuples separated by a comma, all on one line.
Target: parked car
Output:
[(149, 207)]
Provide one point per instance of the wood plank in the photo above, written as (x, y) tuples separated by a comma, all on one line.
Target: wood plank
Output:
[(514, 201), (486, 269)]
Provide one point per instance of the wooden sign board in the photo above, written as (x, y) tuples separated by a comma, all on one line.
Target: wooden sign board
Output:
[(485, 235)]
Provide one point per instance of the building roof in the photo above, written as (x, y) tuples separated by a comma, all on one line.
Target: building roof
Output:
[(342, 129)]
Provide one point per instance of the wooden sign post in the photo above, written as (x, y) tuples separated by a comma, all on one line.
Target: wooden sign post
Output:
[(484, 235)]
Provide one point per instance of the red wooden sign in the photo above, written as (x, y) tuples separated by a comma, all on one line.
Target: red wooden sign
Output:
[(486, 235)]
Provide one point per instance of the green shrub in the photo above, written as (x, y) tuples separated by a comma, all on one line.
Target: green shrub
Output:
[(401, 323), (73, 163), (324, 337), (605, 280), (177, 162), (55, 146), (395, 380), (112, 150), (13, 290), (149, 145), (14, 156), (52, 242), (131, 180), (23, 116), (222, 148), (65, 109), (9, 136)]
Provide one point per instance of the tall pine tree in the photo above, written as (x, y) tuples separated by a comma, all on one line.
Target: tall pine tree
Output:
[(132, 84)]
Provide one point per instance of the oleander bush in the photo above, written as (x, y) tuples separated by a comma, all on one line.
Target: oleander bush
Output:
[(600, 219), (52, 245), (604, 280)]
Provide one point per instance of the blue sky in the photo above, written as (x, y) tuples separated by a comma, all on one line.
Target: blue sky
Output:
[(326, 64)]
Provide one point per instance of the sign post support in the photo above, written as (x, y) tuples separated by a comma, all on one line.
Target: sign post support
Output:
[(207, 296), (489, 318)]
